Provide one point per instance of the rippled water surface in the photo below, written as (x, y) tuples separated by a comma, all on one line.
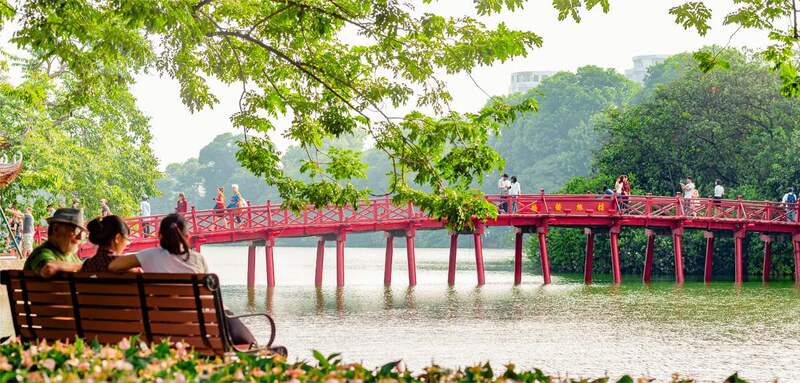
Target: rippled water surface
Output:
[(565, 328)]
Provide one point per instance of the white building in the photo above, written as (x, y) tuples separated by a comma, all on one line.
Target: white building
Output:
[(641, 64), (524, 81)]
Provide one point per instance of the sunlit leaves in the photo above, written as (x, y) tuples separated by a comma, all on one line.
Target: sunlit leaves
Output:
[(693, 14), (572, 8)]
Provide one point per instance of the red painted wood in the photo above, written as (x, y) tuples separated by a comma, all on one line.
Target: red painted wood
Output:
[(543, 256), (478, 240), (738, 268), (587, 265), (270, 262), (616, 273), (796, 247), (412, 263), (767, 263), (340, 261), (320, 260), (708, 271), (648, 257), (518, 257), (251, 266), (451, 265), (677, 246), (387, 265)]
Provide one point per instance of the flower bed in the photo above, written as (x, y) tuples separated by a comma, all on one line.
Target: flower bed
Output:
[(135, 361)]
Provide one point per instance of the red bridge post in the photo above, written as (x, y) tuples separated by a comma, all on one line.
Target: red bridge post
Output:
[(320, 260), (412, 263), (647, 274), (478, 240), (616, 273), (387, 265), (451, 265), (587, 265), (251, 265), (542, 232), (708, 270), (340, 238), (677, 247), (518, 256), (738, 268), (268, 250), (767, 263), (796, 248)]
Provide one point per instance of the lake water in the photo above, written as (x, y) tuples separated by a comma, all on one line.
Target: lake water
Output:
[(706, 332)]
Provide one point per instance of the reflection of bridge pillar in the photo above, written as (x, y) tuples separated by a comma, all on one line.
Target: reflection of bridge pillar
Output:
[(517, 256), (412, 263), (340, 238), (647, 273), (709, 266), (616, 273), (796, 248), (387, 264), (767, 263), (587, 264), (677, 248), (542, 232), (320, 261), (251, 265), (478, 240), (738, 264), (268, 252), (451, 264)]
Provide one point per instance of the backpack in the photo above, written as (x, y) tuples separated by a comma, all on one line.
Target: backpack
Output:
[(791, 198)]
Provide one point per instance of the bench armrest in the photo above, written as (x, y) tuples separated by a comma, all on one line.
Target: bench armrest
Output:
[(265, 315)]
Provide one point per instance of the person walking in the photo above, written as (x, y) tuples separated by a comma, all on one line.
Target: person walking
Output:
[(790, 203), (688, 191), (237, 202), (105, 211), (182, 206), (64, 232), (144, 213), (504, 186), (219, 206), (514, 191), (27, 232)]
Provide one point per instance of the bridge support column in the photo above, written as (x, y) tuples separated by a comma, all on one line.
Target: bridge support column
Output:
[(477, 237), (677, 248), (738, 264), (387, 263), (340, 238), (647, 273), (268, 253), (451, 264), (767, 263), (542, 232), (251, 266), (708, 270), (616, 273), (320, 260), (518, 256), (587, 264), (412, 262), (796, 248)]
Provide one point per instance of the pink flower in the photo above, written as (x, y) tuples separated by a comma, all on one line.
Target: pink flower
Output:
[(4, 365), (124, 344), (49, 364)]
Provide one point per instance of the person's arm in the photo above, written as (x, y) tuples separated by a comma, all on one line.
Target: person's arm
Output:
[(54, 267), (124, 263)]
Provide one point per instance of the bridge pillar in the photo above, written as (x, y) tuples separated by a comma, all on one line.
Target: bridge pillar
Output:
[(796, 248), (767, 263), (340, 238), (251, 265), (451, 265), (268, 253), (542, 232), (387, 264), (738, 267), (320, 260), (677, 248), (708, 270), (477, 237), (518, 256), (587, 265), (616, 273), (412, 262), (647, 272)]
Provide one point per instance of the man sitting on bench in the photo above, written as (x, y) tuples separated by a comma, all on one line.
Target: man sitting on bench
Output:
[(64, 232)]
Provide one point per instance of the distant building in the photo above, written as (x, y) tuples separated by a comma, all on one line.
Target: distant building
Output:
[(641, 64), (524, 81)]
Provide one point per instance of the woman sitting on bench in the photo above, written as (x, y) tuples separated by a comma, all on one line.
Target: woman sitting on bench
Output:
[(110, 234), (174, 255)]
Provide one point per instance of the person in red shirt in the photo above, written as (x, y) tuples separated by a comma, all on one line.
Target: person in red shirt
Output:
[(183, 205)]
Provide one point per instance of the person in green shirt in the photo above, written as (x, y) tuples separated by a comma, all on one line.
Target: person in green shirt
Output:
[(64, 232)]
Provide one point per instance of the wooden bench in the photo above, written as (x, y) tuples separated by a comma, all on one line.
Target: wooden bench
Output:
[(109, 307)]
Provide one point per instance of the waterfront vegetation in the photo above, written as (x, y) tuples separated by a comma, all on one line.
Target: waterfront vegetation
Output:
[(135, 361)]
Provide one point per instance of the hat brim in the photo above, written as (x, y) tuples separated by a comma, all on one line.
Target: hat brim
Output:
[(59, 220)]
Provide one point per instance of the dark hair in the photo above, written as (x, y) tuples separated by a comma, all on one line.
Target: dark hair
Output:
[(717, 181), (505, 175), (513, 178), (103, 230), (173, 235)]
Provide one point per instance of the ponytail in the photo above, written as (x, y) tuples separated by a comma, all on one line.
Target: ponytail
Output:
[(173, 235)]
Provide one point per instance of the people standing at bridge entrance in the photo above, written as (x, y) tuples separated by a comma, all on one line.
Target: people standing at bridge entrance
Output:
[(504, 186), (514, 191), (110, 235), (64, 232), (105, 211), (790, 202), (182, 206)]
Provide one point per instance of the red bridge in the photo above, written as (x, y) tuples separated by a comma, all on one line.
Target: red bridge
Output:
[(527, 213)]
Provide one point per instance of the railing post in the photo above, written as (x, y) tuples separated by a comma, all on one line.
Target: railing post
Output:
[(269, 214), (679, 209), (648, 204), (544, 201), (249, 215), (742, 214)]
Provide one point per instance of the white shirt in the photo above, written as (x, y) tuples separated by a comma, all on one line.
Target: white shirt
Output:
[(144, 209), (503, 185), (159, 260), (515, 189), (688, 190), (719, 191)]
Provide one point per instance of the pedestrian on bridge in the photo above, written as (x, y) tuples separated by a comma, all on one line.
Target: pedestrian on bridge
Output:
[(237, 202), (514, 191), (790, 201), (504, 186), (183, 204), (219, 206), (688, 192)]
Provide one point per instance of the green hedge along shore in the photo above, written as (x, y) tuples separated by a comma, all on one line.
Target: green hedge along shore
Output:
[(135, 361)]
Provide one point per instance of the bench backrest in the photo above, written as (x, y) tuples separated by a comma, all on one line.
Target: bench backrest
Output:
[(109, 307)]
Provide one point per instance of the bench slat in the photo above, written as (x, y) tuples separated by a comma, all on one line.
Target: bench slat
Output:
[(52, 322), (176, 316), (110, 314), (179, 302), (45, 310), (116, 301), (106, 288), (44, 333), (175, 290), (183, 329), (38, 298), (128, 327), (57, 286)]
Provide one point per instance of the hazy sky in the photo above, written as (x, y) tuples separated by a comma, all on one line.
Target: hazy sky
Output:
[(632, 27)]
